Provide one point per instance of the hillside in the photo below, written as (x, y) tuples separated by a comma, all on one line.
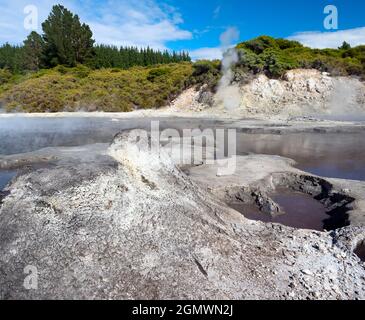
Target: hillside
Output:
[(275, 56), (300, 92), (260, 75), (80, 88)]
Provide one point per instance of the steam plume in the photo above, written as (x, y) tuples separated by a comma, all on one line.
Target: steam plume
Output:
[(228, 94)]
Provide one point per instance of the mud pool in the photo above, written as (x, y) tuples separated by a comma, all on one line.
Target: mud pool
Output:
[(332, 155), (299, 210)]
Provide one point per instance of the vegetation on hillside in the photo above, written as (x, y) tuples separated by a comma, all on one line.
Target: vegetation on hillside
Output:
[(206, 72), (275, 56), (111, 90)]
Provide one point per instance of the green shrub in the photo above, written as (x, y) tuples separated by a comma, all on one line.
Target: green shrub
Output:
[(250, 61), (206, 72), (287, 44), (276, 63), (5, 76), (61, 69), (81, 71), (157, 73), (260, 44)]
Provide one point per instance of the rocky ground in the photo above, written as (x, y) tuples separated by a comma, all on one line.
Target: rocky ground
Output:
[(123, 222)]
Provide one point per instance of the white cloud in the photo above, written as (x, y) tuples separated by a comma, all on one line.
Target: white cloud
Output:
[(206, 53), (131, 34), (137, 22), (334, 39), (216, 12), (123, 22)]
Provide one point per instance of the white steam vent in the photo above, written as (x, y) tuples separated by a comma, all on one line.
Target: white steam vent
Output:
[(228, 94)]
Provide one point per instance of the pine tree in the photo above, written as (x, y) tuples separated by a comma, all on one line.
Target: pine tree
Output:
[(11, 57), (67, 42), (345, 46), (32, 52)]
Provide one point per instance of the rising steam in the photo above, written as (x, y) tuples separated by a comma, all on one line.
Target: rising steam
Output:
[(228, 94)]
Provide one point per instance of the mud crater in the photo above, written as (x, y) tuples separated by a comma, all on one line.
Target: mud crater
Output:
[(299, 201)]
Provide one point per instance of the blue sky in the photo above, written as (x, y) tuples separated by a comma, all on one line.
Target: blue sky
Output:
[(196, 25)]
